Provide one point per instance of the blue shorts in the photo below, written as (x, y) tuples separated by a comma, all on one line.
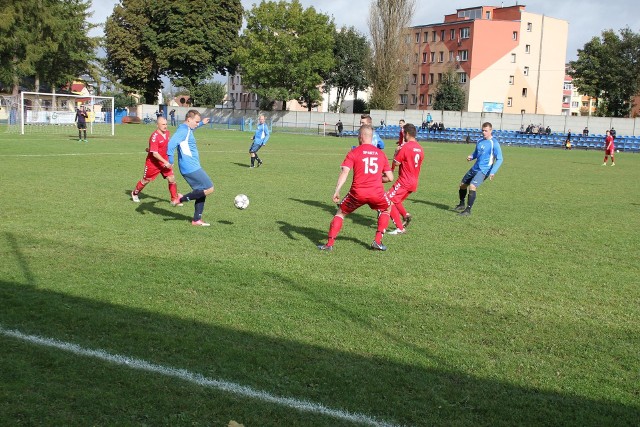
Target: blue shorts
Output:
[(254, 148), (198, 180), (473, 177)]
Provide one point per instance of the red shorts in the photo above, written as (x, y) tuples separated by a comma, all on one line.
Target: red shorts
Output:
[(609, 152), (378, 202), (398, 193), (152, 170)]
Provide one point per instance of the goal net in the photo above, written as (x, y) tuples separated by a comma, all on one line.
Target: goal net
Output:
[(53, 113)]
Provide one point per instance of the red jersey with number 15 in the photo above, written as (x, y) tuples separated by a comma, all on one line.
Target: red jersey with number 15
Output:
[(158, 143), (409, 157), (368, 163)]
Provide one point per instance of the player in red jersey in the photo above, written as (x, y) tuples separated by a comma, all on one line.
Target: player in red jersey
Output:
[(401, 136), (158, 163), (408, 157), (609, 149), (368, 163)]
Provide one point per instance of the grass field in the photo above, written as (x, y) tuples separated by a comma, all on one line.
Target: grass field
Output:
[(525, 313)]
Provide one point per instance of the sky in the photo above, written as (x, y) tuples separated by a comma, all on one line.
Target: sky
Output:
[(587, 18)]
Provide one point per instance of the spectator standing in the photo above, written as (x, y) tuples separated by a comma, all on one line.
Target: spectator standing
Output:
[(172, 114), (567, 142), (340, 127)]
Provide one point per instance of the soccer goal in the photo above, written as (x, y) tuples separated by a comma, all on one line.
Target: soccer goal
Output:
[(54, 113)]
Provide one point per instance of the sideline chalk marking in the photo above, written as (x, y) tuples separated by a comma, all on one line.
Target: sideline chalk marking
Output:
[(183, 374)]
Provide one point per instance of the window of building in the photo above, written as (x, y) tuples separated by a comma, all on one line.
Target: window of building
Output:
[(527, 48), (526, 71), (523, 111), (575, 104), (464, 55), (488, 14), (524, 92), (529, 26), (424, 57), (421, 99), (464, 33), (441, 35), (439, 77), (568, 86), (452, 34), (433, 57), (511, 80), (403, 98), (414, 98), (407, 39), (430, 78), (471, 13), (430, 100), (433, 36), (441, 56), (585, 103), (513, 57), (415, 58), (462, 77), (450, 55), (423, 79), (414, 79), (509, 102), (515, 35), (417, 37)]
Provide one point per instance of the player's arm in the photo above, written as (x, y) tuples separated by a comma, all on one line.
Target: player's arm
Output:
[(161, 159), (497, 154), (387, 176), (266, 134), (176, 139), (342, 178), (473, 155)]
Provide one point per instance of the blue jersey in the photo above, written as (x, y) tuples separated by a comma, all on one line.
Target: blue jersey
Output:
[(262, 134), (188, 156), (377, 141), (488, 155)]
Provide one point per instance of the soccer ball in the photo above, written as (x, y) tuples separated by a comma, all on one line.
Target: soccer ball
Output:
[(617, 151), (241, 201)]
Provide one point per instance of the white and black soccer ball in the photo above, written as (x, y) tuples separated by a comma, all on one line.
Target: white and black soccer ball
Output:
[(241, 201)]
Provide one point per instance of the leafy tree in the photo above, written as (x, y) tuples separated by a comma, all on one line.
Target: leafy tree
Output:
[(387, 22), (449, 95), (608, 69), (286, 51), (187, 41), (44, 40), (209, 94), (351, 53), (360, 106)]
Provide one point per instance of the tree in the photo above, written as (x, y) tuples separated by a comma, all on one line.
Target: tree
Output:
[(148, 40), (608, 69), (285, 51), (388, 20), (44, 40), (351, 53), (449, 95), (209, 94)]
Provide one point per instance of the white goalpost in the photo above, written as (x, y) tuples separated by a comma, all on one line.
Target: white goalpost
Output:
[(54, 113)]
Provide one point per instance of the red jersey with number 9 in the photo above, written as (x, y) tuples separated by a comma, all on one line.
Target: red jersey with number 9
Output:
[(368, 163), (410, 158)]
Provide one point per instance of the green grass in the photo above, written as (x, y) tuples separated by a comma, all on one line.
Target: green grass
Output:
[(525, 313)]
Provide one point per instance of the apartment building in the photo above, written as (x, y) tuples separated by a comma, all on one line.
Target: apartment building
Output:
[(506, 60)]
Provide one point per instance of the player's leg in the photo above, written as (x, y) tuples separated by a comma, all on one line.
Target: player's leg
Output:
[(257, 157), (252, 154), (473, 186), (462, 190), (384, 205), (346, 206), (201, 186), (173, 189)]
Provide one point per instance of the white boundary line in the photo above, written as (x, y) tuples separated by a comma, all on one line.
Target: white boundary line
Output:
[(183, 374)]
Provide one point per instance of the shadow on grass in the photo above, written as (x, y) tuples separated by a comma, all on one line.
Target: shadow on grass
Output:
[(391, 390), (242, 165), (314, 235), (355, 217), (168, 215), (434, 204)]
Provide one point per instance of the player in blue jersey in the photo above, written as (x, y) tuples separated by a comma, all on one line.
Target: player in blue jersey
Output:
[(259, 139), (365, 119), (189, 162), (488, 157)]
